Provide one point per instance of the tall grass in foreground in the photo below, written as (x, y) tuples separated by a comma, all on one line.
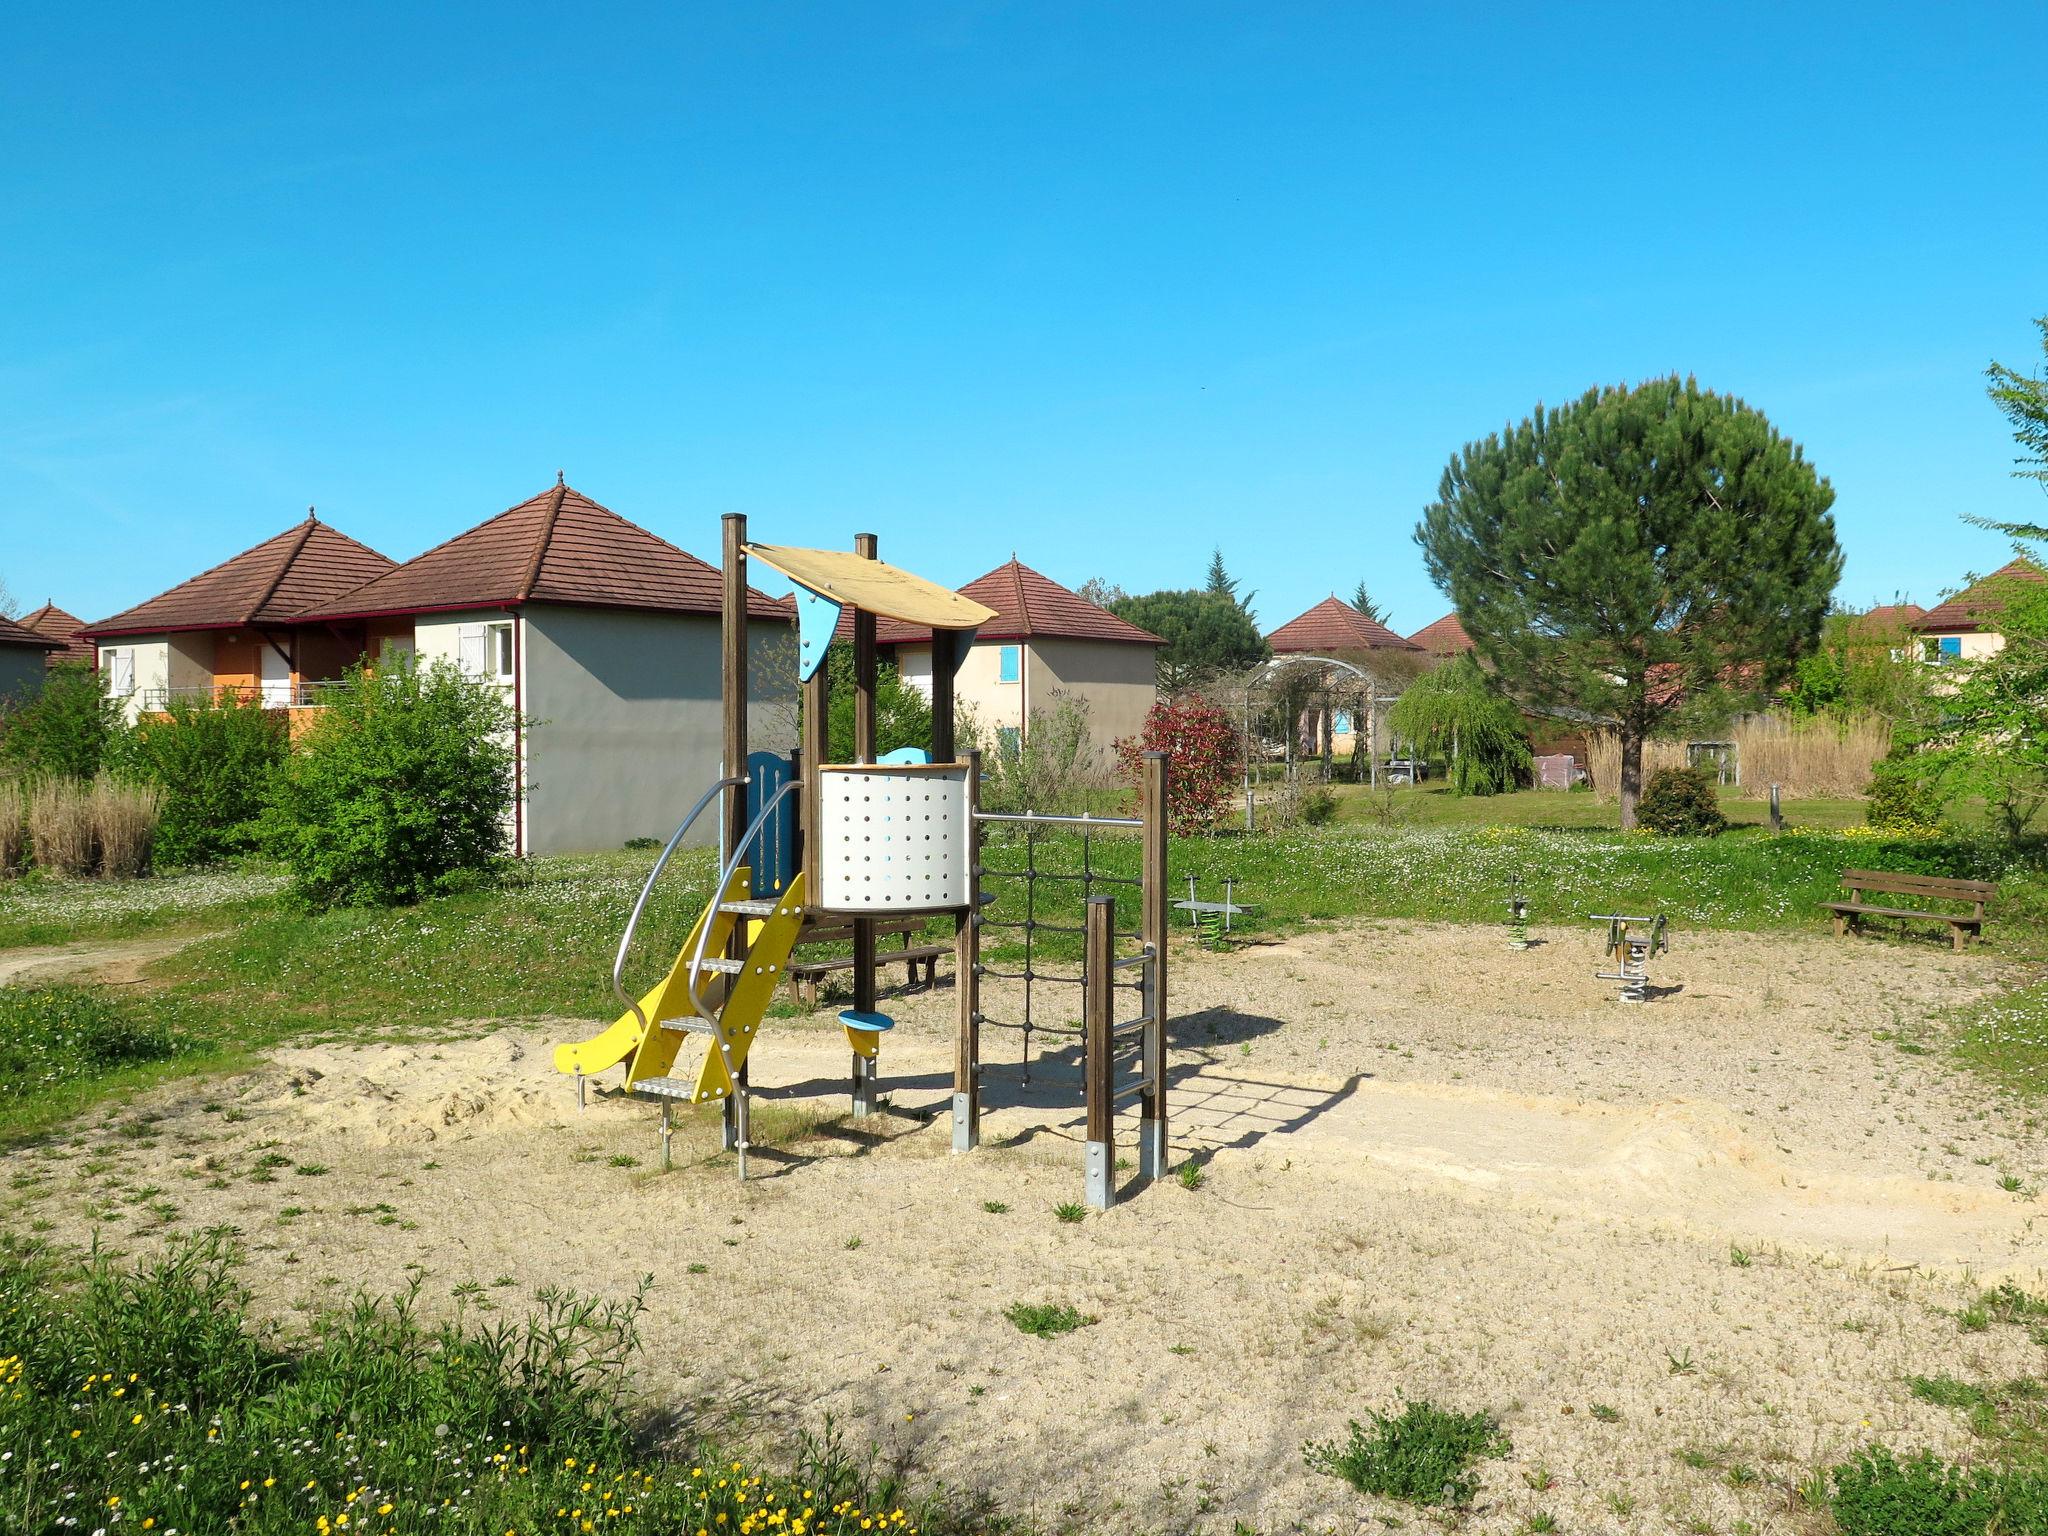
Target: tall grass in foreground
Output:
[(1816, 759), (105, 827), (137, 1401), (13, 829)]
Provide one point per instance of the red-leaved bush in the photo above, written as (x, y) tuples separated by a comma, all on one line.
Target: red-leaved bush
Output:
[(1204, 759)]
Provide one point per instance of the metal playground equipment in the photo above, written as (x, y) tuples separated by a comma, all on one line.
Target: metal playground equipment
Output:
[(808, 846), (1518, 915), (1633, 942), (1212, 918)]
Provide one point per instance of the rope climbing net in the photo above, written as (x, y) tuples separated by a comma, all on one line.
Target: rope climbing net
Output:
[(1047, 950)]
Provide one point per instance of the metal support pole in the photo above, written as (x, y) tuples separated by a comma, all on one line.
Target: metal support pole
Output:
[(1152, 1144), (967, 979), (1098, 1062), (1777, 811), (863, 1087)]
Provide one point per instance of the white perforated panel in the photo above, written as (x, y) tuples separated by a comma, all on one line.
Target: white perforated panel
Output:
[(892, 839)]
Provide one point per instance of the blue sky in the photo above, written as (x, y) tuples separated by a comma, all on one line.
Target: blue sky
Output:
[(1106, 285)]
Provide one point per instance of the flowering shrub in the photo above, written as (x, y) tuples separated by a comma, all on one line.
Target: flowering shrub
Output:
[(1204, 756)]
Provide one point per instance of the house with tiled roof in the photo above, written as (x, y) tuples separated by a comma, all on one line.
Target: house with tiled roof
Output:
[(1443, 639), (53, 623), (1045, 643), (238, 627), (605, 640), (22, 659), (1334, 628), (1965, 627)]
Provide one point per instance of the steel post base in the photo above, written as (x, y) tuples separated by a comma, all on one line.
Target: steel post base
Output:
[(966, 1124), (1101, 1167), (1151, 1149)]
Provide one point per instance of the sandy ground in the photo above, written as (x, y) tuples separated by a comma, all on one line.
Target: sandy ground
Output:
[(116, 962), (1432, 1166)]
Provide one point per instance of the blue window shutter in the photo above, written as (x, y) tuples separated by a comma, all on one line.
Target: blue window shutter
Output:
[(1006, 662)]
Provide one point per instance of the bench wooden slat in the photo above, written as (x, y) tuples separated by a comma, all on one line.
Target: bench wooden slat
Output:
[(1967, 919), (882, 957), (1919, 885)]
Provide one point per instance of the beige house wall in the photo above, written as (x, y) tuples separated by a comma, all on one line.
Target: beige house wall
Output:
[(164, 664), (1119, 682)]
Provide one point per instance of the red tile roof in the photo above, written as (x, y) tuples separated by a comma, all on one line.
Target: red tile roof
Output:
[(1893, 615), (53, 623), (273, 583), (1028, 606), (557, 547), (1331, 626), (1969, 608), (1446, 637), (12, 633)]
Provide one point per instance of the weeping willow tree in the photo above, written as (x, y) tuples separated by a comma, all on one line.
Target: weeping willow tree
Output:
[(1454, 712)]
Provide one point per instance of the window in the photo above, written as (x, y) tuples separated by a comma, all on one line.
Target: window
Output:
[(1007, 663), (120, 667), (1945, 649), (485, 650), (1009, 740)]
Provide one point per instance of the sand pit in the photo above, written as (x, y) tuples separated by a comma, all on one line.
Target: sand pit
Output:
[(1431, 1166)]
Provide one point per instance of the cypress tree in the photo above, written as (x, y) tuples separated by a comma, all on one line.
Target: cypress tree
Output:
[(1634, 553)]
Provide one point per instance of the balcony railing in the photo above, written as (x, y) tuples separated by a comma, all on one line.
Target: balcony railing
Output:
[(302, 695)]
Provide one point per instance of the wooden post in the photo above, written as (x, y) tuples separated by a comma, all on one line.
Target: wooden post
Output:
[(967, 980), (1152, 1142), (865, 990), (1099, 1048), (813, 754), (945, 656)]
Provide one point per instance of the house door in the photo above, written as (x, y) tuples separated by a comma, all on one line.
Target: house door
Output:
[(277, 678)]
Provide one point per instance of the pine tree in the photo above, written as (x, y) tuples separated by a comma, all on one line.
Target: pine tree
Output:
[(1221, 583), (1362, 601), (2025, 404), (1636, 553)]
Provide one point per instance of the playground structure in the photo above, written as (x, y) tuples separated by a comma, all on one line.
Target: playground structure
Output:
[(1632, 942), (1211, 919), (808, 846)]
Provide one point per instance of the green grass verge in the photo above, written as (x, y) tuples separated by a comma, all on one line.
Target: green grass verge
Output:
[(39, 910), (1433, 805), (135, 1400)]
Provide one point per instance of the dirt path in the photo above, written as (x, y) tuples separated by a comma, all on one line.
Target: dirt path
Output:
[(115, 961), (1430, 1167)]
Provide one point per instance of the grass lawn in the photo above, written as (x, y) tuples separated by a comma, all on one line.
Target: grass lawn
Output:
[(1432, 805)]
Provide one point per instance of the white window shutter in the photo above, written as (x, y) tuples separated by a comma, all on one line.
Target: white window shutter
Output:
[(469, 652), (120, 673)]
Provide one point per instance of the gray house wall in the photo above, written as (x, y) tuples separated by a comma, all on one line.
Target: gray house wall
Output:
[(626, 712), (21, 671)]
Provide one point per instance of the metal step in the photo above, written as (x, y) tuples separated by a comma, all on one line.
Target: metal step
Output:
[(666, 1088), (750, 908), (689, 1026), (724, 967)]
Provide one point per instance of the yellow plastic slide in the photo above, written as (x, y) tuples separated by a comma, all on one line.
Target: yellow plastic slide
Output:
[(669, 998)]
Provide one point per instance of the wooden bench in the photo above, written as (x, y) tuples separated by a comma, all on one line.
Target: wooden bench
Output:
[(1974, 893), (807, 974)]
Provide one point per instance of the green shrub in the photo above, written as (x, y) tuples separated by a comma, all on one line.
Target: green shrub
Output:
[(1879, 1495), (1905, 796), (401, 788), (1423, 1455), (70, 730), (1681, 802), (213, 763), (903, 715)]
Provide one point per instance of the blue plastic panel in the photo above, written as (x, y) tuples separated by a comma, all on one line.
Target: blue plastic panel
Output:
[(773, 859)]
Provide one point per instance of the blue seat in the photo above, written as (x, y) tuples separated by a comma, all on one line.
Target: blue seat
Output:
[(874, 1023)]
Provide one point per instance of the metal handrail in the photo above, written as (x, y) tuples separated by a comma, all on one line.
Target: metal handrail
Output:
[(1040, 819), (731, 866), (633, 922)]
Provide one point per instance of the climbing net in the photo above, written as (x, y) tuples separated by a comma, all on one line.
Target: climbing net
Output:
[(1048, 952)]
